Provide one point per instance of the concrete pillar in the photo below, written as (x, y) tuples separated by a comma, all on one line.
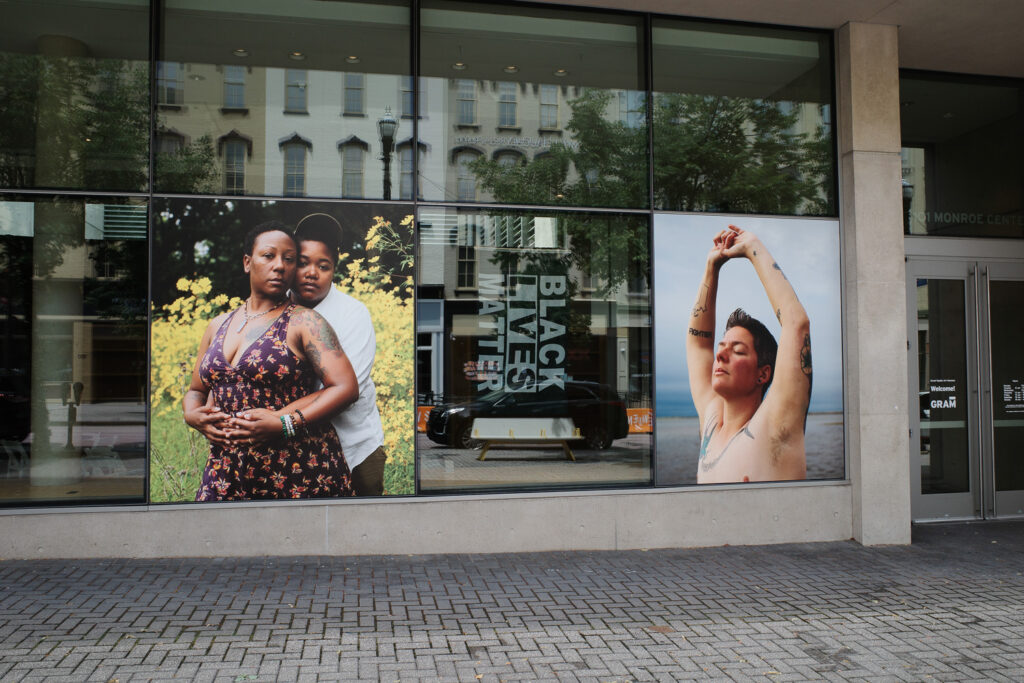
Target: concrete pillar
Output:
[(875, 282)]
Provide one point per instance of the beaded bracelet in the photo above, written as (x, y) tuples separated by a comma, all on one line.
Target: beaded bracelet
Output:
[(302, 417)]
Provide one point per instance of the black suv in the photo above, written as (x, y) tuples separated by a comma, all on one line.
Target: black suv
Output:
[(598, 412)]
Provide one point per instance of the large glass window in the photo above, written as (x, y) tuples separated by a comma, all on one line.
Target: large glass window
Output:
[(540, 377), (962, 141), (500, 67), (286, 72), (742, 119), (74, 103), (73, 379)]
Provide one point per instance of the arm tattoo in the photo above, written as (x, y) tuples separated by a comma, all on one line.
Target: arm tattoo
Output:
[(700, 333), (778, 314), (777, 267), (320, 335), (805, 357), (702, 301), (808, 370), (198, 395)]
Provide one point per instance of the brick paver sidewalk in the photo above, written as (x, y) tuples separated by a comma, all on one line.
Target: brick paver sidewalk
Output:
[(950, 607)]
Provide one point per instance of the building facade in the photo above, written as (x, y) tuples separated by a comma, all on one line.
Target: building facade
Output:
[(529, 197)]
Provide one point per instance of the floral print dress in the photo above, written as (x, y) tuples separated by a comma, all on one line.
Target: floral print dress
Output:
[(269, 375)]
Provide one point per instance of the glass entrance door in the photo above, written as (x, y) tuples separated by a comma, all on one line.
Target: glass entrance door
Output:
[(967, 383)]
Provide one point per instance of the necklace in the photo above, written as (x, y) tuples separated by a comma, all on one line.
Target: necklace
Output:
[(253, 316)]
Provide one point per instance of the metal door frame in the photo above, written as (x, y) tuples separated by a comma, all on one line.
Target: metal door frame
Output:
[(976, 262)]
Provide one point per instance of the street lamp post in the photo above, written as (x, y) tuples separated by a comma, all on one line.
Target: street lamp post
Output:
[(387, 126), (908, 197)]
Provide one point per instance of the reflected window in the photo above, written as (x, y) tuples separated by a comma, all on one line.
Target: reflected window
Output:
[(352, 170), (296, 90), (169, 142), (466, 267), (546, 377), (958, 135), (234, 167), (170, 83), (508, 103), (508, 159), (632, 111), (355, 88), (749, 108), (466, 178), (466, 102), (294, 170), (75, 91), (234, 87), (407, 95), (405, 161), (549, 106), (73, 348), (510, 77), (262, 71)]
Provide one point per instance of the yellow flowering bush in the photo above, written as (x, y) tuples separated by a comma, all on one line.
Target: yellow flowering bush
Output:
[(179, 453)]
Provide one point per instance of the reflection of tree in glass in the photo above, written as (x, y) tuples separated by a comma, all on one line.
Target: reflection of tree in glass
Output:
[(712, 153), (84, 123)]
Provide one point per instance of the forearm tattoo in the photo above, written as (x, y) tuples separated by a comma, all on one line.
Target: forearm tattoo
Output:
[(805, 364), (702, 301), (700, 333), (777, 267)]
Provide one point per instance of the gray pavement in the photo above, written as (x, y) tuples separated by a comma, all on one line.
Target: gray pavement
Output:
[(948, 607)]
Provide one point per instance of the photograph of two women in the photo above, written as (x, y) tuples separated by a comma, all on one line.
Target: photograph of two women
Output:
[(282, 351)]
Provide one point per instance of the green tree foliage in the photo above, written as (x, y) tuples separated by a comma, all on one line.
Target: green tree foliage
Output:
[(711, 153)]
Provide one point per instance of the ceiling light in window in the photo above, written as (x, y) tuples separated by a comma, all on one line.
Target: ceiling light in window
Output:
[(296, 56), (459, 66), (240, 52), (196, 77), (352, 59), (561, 73), (511, 69)]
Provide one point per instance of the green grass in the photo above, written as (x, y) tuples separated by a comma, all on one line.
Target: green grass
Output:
[(178, 456)]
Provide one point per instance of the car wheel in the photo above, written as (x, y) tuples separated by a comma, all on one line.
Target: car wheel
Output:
[(464, 438), (598, 437)]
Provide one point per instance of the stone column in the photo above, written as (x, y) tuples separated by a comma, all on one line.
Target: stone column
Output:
[(875, 282)]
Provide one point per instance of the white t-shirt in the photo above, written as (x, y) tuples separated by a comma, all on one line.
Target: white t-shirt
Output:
[(358, 426)]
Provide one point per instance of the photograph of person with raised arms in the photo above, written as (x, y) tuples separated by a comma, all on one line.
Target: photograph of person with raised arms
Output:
[(739, 398)]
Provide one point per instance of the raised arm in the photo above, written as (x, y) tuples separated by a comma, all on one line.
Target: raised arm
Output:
[(700, 334), (790, 394)]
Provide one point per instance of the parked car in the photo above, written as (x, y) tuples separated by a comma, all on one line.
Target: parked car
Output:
[(597, 410), (15, 410)]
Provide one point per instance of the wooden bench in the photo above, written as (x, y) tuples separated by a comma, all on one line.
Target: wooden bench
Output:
[(523, 430)]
